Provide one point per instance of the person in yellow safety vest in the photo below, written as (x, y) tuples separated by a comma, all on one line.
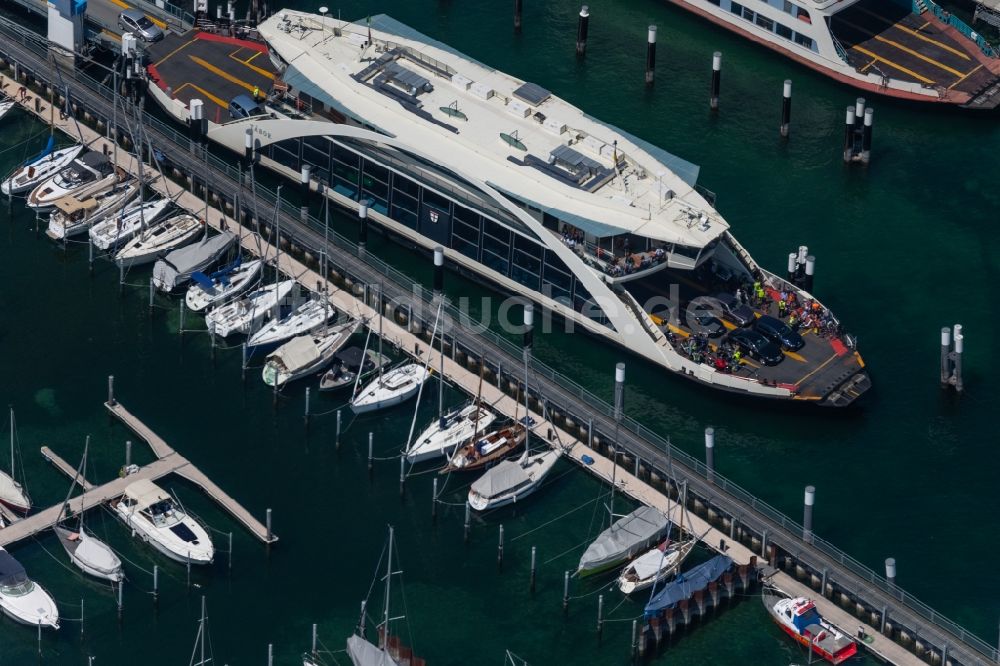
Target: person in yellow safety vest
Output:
[(781, 308), (738, 357), (256, 93)]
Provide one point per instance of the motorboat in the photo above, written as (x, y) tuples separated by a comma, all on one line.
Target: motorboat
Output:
[(624, 539), (305, 318), (347, 364), (177, 267), (222, 286), (483, 451), (445, 433), (40, 169), (22, 599), (86, 175), (157, 518), (659, 564), (245, 314), (800, 619), (90, 554), (159, 239), (511, 481), (74, 216), (305, 355), (390, 388), (122, 226)]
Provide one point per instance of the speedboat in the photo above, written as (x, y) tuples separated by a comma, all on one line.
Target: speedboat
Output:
[(89, 554), (799, 619), (306, 354), (168, 235), (177, 267), (22, 599), (304, 319), (482, 451), (122, 226), (624, 539), (245, 314), (158, 519), (659, 564), (223, 285), (389, 389), (39, 169), (73, 215), (347, 364), (442, 436), (512, 480), (85, 176)]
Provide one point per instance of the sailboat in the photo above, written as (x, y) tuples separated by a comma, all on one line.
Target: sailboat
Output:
[(449, 429), (199, 640), (87, 552), (121, 227), (158, 239), (12, 494), (387, 651), (306, 354), (304, 319), (624, 539), (513, 480), (74, 215), (178, 266), (659, 564), (22, 599), (223, 285), (48, 163), (86, 175), (244, 315), (159, 519)]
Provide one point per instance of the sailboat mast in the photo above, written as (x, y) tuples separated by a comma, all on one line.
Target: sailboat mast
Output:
[(479, 397), (201, 631), (326, 246), (380, 308), (388, 585), (441, 376), (277, 250), (12, 441)]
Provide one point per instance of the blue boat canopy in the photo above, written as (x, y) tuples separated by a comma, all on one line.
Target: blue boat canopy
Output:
[(687, 583), (11, 571)]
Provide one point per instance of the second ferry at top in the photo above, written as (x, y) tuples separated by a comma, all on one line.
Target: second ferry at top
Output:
[(532, 194)]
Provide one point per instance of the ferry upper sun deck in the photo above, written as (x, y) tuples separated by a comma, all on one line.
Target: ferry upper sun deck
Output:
[(530, 193)]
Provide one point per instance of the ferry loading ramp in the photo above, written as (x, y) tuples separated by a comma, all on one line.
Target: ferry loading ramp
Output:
[(210, 67)]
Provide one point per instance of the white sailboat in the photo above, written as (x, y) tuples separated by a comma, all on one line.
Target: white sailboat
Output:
[(178, 266), (22, 599), (86, 175), (223, 285), (245, 314), (12, 494), (306, 355), (87, 552), (40, 169), (160, 520), (657, 565), (121, 227), (304, 319), (74, 216), (161, 238), (199, 640)]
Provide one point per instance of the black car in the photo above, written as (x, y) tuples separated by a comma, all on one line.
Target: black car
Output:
[(780, 332), (739, 313), (757, 346), (707, 324)]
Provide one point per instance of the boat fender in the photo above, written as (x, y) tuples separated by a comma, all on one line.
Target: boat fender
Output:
[(587, 460)]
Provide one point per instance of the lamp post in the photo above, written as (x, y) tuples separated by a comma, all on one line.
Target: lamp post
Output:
[(322, 12)]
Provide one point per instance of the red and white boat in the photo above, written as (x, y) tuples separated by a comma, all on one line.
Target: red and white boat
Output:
[(799, 619)]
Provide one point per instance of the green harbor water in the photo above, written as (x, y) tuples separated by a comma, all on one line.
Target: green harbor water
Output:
[(902, 249)]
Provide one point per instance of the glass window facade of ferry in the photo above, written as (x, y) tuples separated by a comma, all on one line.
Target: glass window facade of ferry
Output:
[(504, 246), (771, 25)]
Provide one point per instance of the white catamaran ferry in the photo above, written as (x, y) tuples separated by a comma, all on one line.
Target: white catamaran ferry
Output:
[(530, 193)]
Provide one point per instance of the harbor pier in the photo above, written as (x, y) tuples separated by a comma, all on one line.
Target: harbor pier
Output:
[(901, 629)]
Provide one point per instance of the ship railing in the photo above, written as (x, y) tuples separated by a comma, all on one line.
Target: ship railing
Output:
[(639, 440), (841, 51), (962, 27)]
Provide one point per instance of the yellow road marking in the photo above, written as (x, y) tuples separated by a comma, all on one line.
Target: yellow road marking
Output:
[(861, 361), (865, 68), (817, 369), (916, 34), (795, 356), (965, 77), (918, 54), (204, 92), (174, 52), (885, 61), (250, 59), (222, 73), (246, 63)]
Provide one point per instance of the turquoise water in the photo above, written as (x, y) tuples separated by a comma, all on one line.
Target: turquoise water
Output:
[(902, 249)]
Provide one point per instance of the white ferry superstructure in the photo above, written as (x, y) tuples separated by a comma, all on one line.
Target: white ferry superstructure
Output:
[(527, 191)]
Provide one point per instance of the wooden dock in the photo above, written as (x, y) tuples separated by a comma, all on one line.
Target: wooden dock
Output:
[(168, 462)]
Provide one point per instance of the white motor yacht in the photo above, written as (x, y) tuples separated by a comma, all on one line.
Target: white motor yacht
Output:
[(304, 319), (168, 235), (211, 290), (245, 314), (40, 169), (153, 515), (306, 354), (75, 215), (86, 175), (121, 227), (446, 433), (391, 388), (22, 599)]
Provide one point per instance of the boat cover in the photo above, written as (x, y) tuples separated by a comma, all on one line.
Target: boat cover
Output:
[(193, 257), (351, 357), (363, 653), (297, 352), (645, 567), (500, 479), (96, 554), (11, 571), (626, 535), (145, 493), (687, 583)]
